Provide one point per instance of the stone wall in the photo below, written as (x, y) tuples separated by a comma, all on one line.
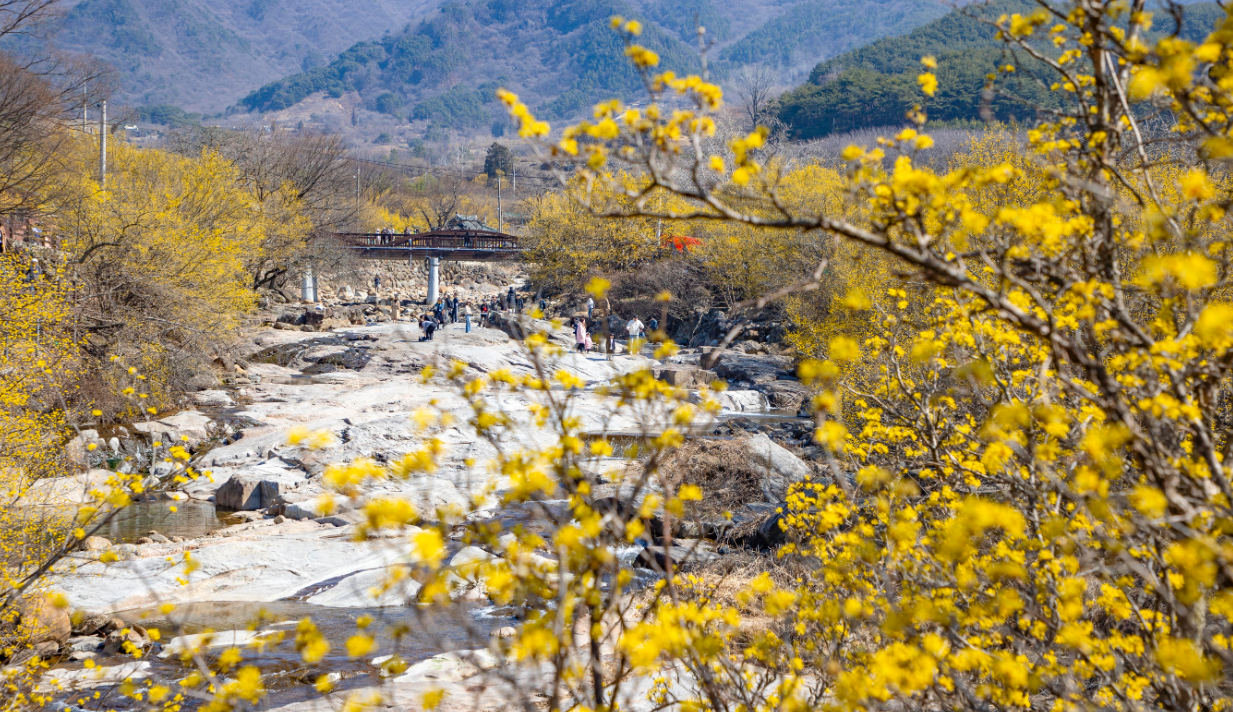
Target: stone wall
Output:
[(410, 281)]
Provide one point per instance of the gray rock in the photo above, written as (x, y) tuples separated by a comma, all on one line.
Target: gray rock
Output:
[(240, 494), (343, 519), (683, 376), (213, 399), (159, 538), (684, 552), (754, 369), (83, 643), (251, 493), (784, 395), (162, 469), (782, 467)]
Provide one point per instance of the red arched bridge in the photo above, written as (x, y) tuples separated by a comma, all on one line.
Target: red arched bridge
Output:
[(459, 245)]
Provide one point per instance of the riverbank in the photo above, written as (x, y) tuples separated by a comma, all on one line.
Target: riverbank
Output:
[(281, 554)]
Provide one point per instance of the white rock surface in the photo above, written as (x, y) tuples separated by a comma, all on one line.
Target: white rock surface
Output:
[(250, 566), (209, 641), (213, 399), (60, 679)]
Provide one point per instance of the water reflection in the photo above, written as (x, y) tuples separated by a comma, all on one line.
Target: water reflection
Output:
[(191, 519)]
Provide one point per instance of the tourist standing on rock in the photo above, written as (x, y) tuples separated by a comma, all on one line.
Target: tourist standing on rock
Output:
[(376, 284), (509, 300), (437, 310), (653, 326), (454, 309), (634, 328), (590, 306), (519, 303), (543, 307), (466, 313), (580, 334)]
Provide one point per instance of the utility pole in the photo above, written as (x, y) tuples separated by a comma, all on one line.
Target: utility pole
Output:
[(500, 225), (102, 148)]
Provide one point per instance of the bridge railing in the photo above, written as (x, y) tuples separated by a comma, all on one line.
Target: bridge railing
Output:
[(436, 240)]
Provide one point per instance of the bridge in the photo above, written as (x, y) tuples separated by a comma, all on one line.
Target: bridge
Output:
[(462, 240), (458, 245)]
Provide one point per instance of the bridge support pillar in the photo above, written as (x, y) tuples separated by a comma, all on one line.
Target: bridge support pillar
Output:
[(434, 268), (308, 286)]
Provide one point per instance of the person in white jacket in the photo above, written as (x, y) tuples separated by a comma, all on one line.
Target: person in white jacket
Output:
[(634, 327)]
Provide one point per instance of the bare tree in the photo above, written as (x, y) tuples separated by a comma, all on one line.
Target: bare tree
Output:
[(755, 85), (307, 173), (40, 93)]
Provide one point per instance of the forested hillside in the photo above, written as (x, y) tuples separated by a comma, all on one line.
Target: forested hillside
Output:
[(445, 68), (560, 54), (204, 54), (876, 84), (818, 29)]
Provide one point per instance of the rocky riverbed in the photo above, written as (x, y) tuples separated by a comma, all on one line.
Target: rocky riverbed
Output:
[(276, 552)]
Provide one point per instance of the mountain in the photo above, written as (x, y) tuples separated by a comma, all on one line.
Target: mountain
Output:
[(445, 69), (875, 85), (434, 60), (202, 55), (561, 56), (818, 29)]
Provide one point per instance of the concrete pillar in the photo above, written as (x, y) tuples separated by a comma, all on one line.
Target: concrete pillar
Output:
[(434, 268), (308, 286)]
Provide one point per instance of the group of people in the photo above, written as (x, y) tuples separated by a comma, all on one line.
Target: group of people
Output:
[(635, 328), (511, 301), (387, 234), (447, 310), (450, 310)]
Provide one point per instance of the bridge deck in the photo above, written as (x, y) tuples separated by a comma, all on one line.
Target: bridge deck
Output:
[(460, 245)]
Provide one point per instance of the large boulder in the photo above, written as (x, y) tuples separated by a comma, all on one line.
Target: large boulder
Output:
[(190, 424), (683, 376), (265, 488), (783, 394), (213, 399), (40, 620), (780, 467), (738, 367), (685, 553)]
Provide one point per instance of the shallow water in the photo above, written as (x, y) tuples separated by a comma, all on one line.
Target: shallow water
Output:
[(425, 632), (190, 520)]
